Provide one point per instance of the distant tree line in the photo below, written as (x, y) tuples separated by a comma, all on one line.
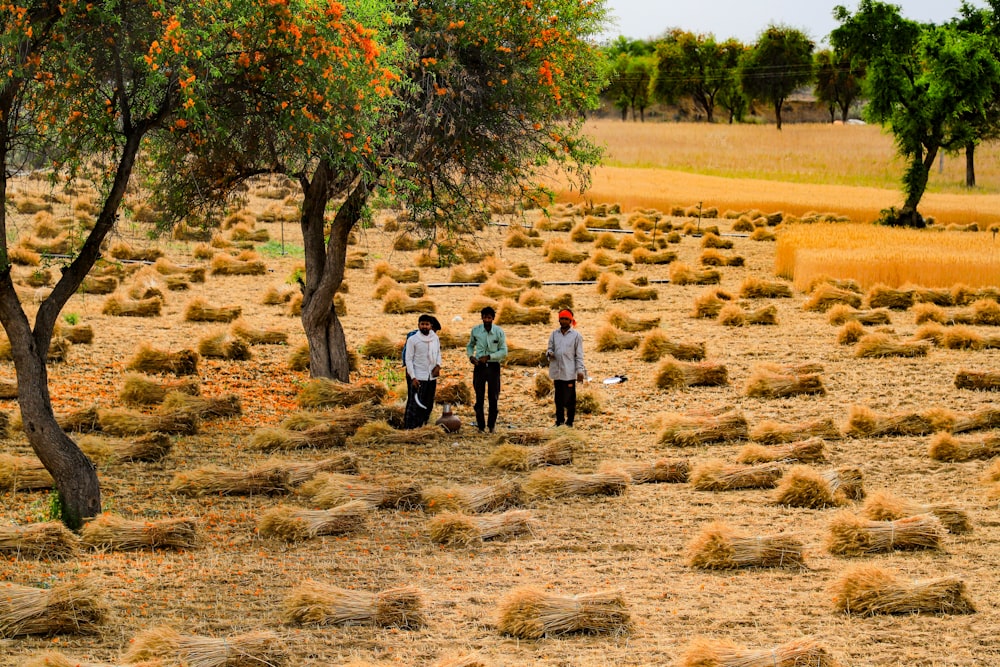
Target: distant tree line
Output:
[(936, 87)]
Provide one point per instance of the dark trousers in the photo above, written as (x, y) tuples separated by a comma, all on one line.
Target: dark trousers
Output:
[(565, 401), (415, 415), (486, 376)]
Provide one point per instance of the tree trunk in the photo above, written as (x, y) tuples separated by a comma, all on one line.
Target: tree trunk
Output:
[(915, 182), (777, 111), (970, 165), (833, 113), (325, 263)]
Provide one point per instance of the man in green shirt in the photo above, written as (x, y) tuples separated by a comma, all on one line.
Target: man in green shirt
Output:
[(486, 349)]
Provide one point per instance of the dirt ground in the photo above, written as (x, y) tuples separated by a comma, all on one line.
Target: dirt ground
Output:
[(635, 543)]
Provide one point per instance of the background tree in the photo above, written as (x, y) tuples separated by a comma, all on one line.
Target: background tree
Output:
[(696, 67), (631, 69), (838, 81), (924, 81), (775, 65)]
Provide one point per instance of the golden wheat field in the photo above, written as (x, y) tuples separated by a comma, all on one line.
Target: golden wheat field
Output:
[(623, 569)]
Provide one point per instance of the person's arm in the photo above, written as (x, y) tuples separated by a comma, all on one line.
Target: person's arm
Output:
[(550, 350), (470, 348), (501, 352), (436, 357), (581, 370), (411, 353)]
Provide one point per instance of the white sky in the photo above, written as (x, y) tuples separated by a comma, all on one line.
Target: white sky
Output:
[(745, 19)]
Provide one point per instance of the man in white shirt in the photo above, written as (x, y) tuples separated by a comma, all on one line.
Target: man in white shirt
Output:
[(565, 355), (423, 366)]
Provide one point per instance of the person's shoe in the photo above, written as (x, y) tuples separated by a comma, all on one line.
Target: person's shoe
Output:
[(493, 430), (569, 424), (557, 425)]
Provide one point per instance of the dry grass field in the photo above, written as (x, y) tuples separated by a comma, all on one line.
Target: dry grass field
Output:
[(633, 543)]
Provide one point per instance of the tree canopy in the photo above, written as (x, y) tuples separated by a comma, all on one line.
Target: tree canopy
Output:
[(698, 67), (775, 65)]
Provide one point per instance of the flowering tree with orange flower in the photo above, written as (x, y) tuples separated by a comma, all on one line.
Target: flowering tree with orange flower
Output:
[(86, 86)]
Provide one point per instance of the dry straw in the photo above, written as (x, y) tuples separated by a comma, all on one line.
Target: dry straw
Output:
[(977, 380), (454, 393), (113, 533), (201, 407), (151, 360), (248, 650), (764, 383), (380, 346), (827, 296), (984, 418), (557, 483), (884, 506), (291, 523), (868, 590), (65, 608), (656, 344), (122, 422), (150, 447), (198, 310), (946, 447), (812, 450), (703, 652), (620, 319), (775, 433), (851, 333), (842, 314), (379, 433), (877, 345), (863, 422), (610, 339), (717, 475), (318, 436), (512, 313), (692, 430), (57, 659), (216, 480), (227, 265), (556, 452), (661, 470), (519, 356), (38, 540), (708, 305), (331, 490), (851, 535), (675, 374), (719, 547), (882, 296), (682, 274), (314, 603), (457, 529), (143, 390), (398, 303), (757, 288), (529, 613), (323, 392), (256, 336), (803, 486), (472, 499), (121, 307)]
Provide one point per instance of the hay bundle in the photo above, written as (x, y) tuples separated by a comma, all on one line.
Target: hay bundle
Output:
[(841, 314), (882, 296), (384, 492), (121, 307), (314, 603), (675, 374), (671, 471), (826, 296), (275, 296), (964, 338), (122, 422), (323, 392), (977, 380), (717, 475), (543, 385), (883, 506), (512, 313), (865, 423), (607, 241), (379, 346), (622, 320), (256, 336), (764, 383), (378, 433), (774, 433), (291, 523), (221, 345), (8, 388), (319, 436), (851, 535), (463, 530), (198, 310), (807, 487), (226, 265), (97, 284), (689, 431), (494, 290), (719, 547), (202, 407), (946, 447), (142, 390), (804, 451), (83, 420), (851, 333), (561, 254), (619, 289), (472, 499), (215, 480), (591, 271), (610, 339), (151, 360), (397, 303), (932, 331), (247, 650), (557, 483), (528, 613), (50, 539), (24, 256), (113, 533), (65, 608), (704, 652), (530, 436), (23, 473), (764, 316), (756, 288), (928, 312), (461, 274), (938, 297), (580, 234), (986, 312), (682, 274), (516, 238), (647, 256), (151, 447), (555, 452), (454, 393), (715, 241), (519, 356), (655, 344), (983, 418), (870, 590), (57, 659), (876, 345), (709, 304)]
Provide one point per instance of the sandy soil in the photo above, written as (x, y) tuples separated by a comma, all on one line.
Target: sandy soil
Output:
[(634, 543)]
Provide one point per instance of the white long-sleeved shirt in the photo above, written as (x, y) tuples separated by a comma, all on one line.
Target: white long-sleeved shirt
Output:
[(565, 353), (423, 353)]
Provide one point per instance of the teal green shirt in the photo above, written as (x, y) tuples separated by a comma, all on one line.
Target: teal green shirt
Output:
[(482, 343)]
